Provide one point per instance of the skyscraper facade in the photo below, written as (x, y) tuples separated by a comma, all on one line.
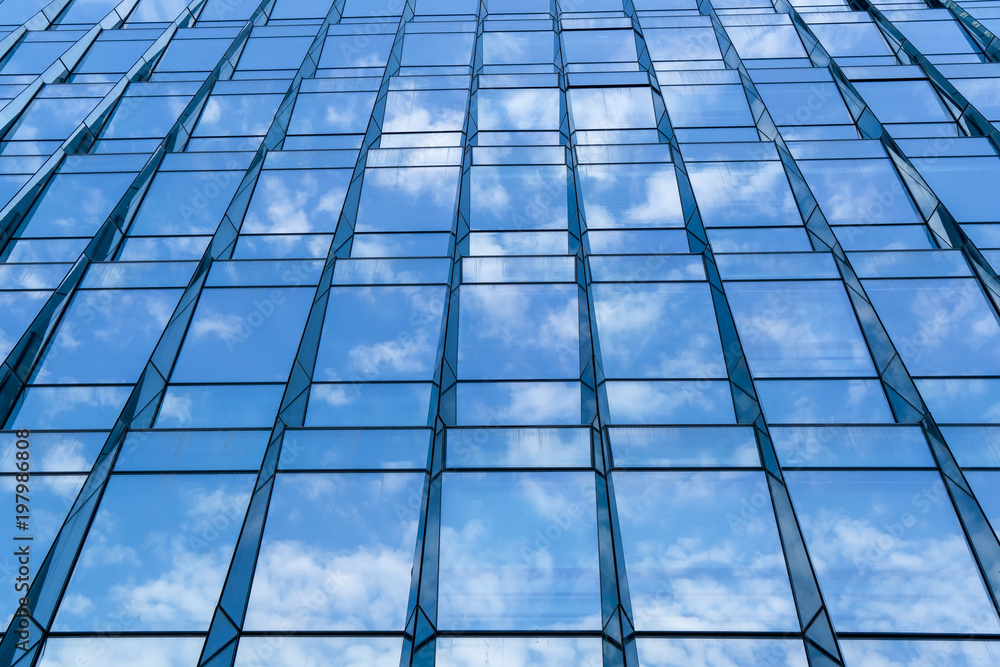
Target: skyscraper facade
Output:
[(517, 333)]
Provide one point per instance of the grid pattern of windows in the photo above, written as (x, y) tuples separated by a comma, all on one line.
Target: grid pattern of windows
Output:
[(604, 333)]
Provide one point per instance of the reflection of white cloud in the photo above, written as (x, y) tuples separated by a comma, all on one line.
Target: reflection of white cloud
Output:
[(519, 109), (176, 407), (424, 111), (517, 652), (183, 594), (730, 652), (306, 587), (284, 651), (121, 651)]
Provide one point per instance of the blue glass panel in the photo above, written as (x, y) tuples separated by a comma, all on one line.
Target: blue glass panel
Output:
[(669, 402), (676, 526), (658, 330), (381, 333), (499, 570), (518, 332), (167, 568), (519, 198), (76, 204), (617, 196), (354, 576), (799, 329), (743, 194), (823, 401), (106, 336), (939, 327), (297, 201), (427, 194), (890, 553), (382, 404)]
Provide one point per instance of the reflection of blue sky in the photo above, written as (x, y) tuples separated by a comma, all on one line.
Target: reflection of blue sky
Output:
[(178, 202), (519, 552), (801, 103), (960, 401), (138, 116), (523, 197), (939, 327), (643, 195), (907, 101), (152, 569), (852, 192), (518, 332), (381, 333), (515, 447), (352, 575), (518, 47), (766, 41), (743, 194), (517, 651), (916, 653), (343, 51), (662, 652), (518, 243), (290, 246), (799, 329), (966, 185), (284, 651), (76, 204), (682, 43), (677, 447), (69, 407), (150, 11), (297, 201), (599, 46), (369, 404), (518, 109), (850, 39), (658, 330), (51, 498), (519, 403), (422, 49), (51, 118), (890, 553), (237, 115), (19, 308), (121, 651), (611, 108), (243, 335), (331, 113), (707, 106), (428, 195), (106, 336), (694, 561), (219, 406), (425, 110), (823, 401), (670, 402)]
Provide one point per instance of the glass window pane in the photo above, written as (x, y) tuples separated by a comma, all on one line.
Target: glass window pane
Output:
[(799, 329), (694, 564), (243, 335), (519, 332), (497, 574), (626, 196), (381, 333), (657, 330), (167, 567), (890, 553), (743, 194), (354, 575)]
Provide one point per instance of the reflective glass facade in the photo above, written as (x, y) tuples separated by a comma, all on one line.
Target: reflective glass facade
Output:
[(468, 333)]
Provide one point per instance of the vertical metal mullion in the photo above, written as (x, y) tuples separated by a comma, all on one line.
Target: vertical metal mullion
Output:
[(822, 648)]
